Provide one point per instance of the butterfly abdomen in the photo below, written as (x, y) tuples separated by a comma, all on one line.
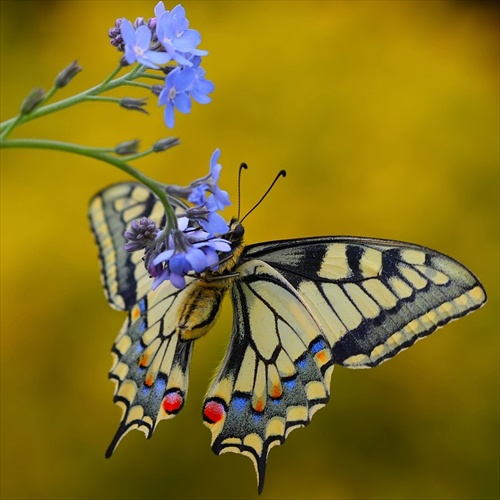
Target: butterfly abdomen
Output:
[(201, 308)]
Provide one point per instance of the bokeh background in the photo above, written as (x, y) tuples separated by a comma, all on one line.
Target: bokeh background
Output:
[(386, 117)]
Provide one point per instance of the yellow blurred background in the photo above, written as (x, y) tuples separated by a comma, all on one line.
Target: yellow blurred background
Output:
[(385, 116)]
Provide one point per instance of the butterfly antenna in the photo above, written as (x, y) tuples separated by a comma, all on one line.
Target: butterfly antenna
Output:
[(281, 173), (243, 166)]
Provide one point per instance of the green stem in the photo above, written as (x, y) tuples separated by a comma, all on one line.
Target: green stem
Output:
[(106, 85), (156, 187), (137, 84), (9, 127)]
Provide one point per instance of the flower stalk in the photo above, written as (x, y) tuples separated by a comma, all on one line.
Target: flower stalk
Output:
[(163, 50)]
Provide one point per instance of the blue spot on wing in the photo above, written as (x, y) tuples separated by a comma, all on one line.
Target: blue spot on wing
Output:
[(239, 403), (290, 384), (142, 306), (160, 385), (301, 363), (317, 345)]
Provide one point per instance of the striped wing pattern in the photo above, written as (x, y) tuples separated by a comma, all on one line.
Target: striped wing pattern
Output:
[(373, 298), (277, 370), (301, 306), (151, 363), (110, 212)]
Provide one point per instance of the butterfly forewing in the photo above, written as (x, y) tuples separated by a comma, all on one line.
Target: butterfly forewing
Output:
[(111, 211), (373, 297), (277, 370), (151, 363)]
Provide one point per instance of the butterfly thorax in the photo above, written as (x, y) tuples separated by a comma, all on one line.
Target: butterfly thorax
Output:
[(202, 304)]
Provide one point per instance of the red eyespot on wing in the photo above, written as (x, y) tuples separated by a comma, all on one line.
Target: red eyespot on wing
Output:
[(173, 401), (214, 412)]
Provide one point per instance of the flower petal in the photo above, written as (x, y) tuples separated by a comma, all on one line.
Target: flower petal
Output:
[(214, 159), (215, 224), (197, 259), (169, 115), (177, 280), (182, 103), (159, 9), (128, 32), (164, 276), (163, 257), (143, 37), (212, 258), (158, 57)]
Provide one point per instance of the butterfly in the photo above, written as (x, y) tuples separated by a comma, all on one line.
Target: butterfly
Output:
[(301, 306)]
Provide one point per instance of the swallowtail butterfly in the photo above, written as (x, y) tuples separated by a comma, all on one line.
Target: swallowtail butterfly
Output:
[(301, 306)]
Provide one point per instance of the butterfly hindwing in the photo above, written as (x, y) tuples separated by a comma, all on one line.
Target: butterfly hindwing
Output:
[(277, 370), (373, 298), (151, 363), (301, 306)]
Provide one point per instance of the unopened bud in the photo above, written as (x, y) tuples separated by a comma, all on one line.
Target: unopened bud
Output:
[(167, 69), (133, 104), (34, 98), (67, 74), (127, 147), (156, 89), (139, 21), (166, 143), (124, 62), (116, 37)]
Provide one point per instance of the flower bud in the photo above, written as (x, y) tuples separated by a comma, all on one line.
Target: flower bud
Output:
[(34, 98), (133, 104), (127, 147), (141, 234), (116, 37), (165, 143), (140, 21), (157, 89), (67, 74)]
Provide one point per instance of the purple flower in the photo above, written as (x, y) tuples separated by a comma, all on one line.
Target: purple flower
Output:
[(209, 220), (159, 9), (141, 234), (116, 37), (175, 94), (173, 33), (181, 84), (219, 198), (200, 86), (137, 45), (188, 249)]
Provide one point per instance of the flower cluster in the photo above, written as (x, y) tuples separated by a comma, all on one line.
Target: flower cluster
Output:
[(196, 244), (166, 40)]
